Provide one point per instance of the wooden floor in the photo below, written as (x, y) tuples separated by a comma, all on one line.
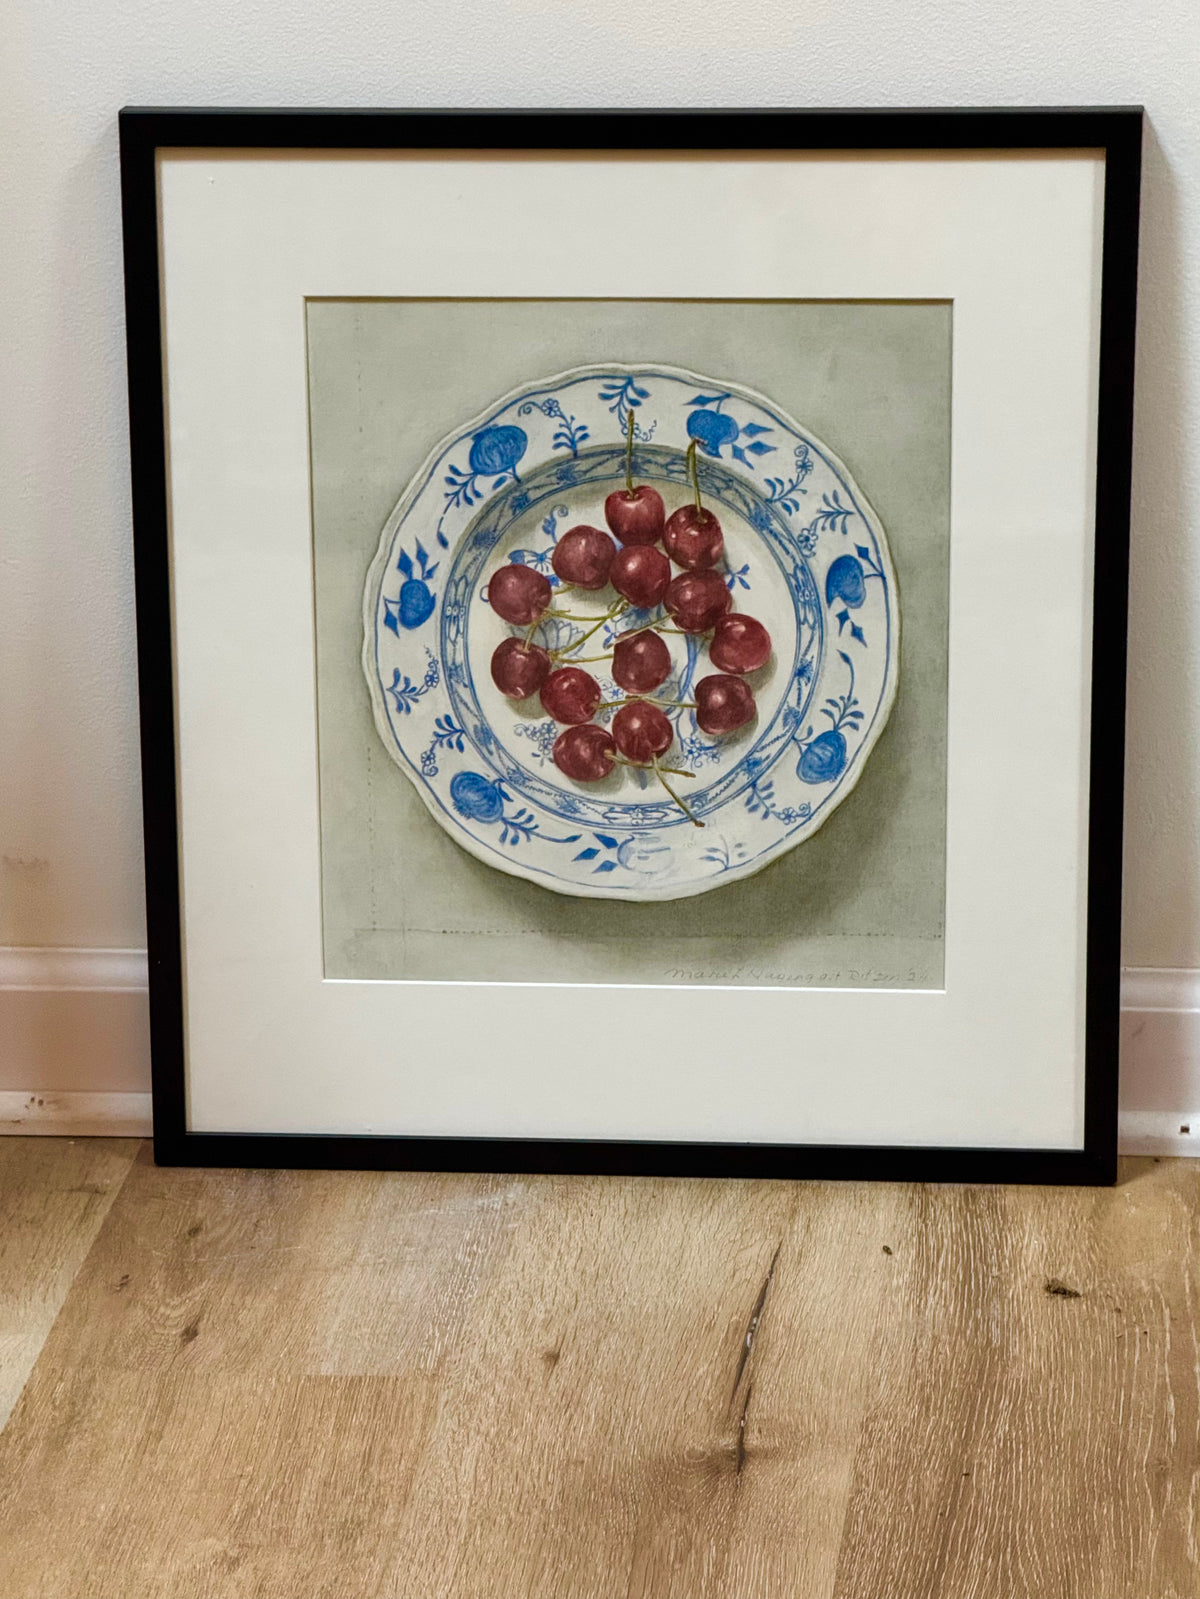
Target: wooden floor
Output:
[(351, 1386)]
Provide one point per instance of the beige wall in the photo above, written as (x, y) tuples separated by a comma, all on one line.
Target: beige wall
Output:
[(70, 858)]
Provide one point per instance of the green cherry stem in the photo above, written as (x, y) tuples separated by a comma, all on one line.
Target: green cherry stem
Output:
[(612, 612), (695, 472), (645, 699), (629, 456), (691, 816), (570, 616), (552, 615), (676, 771), (649, 627)]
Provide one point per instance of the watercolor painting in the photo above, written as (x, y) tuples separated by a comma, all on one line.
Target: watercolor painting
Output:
[(632, 633), (632, 669)]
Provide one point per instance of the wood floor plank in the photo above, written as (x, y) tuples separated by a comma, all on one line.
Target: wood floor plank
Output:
[(343, 1385), (594, 1415), (280, 1272), (54, 1195), (1036, 1429)]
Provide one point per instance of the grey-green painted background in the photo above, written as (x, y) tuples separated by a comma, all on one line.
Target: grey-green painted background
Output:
[(862, 902)]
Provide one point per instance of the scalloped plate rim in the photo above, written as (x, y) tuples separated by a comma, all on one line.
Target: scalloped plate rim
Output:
[(640, 892)]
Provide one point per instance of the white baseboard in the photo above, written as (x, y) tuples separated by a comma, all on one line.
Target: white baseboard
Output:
[(1158, 1132), (129, 1116), (1160, 988), (25, 968), (82, 1020), (75, 1115)]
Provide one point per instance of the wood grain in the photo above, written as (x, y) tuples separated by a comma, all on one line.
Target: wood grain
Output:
[(267, 1384), (1036, 1425), (54, 1195)]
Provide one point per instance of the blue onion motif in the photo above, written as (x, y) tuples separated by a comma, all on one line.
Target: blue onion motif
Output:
[(823, 759), (415, 602), (495, 451), (844, 581), (476, 798), (847, 581), (714, 429)]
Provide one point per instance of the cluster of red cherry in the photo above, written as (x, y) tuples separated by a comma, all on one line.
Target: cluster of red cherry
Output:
[(697, 600)]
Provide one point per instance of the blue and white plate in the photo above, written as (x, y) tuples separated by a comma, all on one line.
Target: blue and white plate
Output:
[(805, 553)]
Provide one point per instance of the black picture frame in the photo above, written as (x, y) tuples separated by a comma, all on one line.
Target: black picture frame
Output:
[(1116, 131)]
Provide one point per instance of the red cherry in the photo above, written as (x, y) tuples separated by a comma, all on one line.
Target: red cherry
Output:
[(723, 703), (698, 600), (583, 557), (642, 732), (637, 517), (518, 593), (693, 537), (739, 644), (585, 753), (640, 574), (640, 663), (519, 669), (570, 695)]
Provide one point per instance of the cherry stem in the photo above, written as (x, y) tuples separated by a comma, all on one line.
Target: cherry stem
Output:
[(649, 627), (658, 772), (640, 766), (629, 457), (613, 611), (694, 470), (547, 615), (570, 616), (643, 699)]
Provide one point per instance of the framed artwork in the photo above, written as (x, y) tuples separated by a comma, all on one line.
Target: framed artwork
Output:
[(631, 619)]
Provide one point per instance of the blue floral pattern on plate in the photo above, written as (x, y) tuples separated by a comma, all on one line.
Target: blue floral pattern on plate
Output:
[(805, 551)]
